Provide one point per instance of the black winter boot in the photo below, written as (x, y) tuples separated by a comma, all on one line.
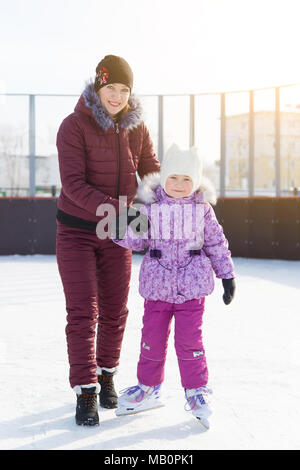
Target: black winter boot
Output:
[(108, 396), (87, 407)]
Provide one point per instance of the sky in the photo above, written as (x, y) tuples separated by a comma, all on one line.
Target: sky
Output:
[(195, 46)]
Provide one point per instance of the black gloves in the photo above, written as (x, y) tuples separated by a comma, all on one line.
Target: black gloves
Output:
[(129, 216), (229, 289)]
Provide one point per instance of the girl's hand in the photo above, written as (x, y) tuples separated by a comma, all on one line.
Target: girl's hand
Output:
[(229, 290)]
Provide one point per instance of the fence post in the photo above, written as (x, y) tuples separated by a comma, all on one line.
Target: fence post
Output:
[(31, 145), (223, 145), (277, 142), (192, 120), (160, 127), (251, 144)]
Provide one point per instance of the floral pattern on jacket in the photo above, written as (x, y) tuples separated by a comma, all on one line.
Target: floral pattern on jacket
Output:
[(180, 275)]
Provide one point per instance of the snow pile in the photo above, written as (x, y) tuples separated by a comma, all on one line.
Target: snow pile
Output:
[(252, 347)]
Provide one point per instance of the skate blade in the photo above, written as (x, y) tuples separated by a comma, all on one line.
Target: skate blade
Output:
[(126, 410), (87, 422), (203, 423)]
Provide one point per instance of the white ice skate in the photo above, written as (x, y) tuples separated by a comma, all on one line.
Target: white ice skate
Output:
[(138, 398), (198, 404)]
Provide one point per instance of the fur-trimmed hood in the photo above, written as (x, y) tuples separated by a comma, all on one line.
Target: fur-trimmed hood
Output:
[(91, 103), (148, 190)]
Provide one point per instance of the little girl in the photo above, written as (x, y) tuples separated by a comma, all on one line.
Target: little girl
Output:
[(186, 244)]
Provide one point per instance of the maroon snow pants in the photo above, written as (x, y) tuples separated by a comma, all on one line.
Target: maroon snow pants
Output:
[(95, 275)]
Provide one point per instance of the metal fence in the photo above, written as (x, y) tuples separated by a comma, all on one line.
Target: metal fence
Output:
[(249, 139)]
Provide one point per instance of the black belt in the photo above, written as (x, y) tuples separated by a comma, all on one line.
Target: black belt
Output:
[(76, 222)]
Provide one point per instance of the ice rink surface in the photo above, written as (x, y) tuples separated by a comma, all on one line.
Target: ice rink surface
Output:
[(252, 348)]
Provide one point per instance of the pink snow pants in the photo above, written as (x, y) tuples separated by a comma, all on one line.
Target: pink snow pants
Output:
[(188, 342)]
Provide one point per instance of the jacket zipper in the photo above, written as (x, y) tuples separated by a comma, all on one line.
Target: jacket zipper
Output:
[(119, 159)]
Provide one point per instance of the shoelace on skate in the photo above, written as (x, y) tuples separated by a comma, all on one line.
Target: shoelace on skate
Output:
[(140, 393), (132, 390), (194, 401), (107, 383), (89, 399)]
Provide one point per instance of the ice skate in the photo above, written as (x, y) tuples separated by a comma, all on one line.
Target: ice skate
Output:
[(198, 404), (138, 398), (107, 396), (87, 406)]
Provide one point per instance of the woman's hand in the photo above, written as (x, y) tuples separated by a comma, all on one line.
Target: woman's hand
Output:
[(126, 217)]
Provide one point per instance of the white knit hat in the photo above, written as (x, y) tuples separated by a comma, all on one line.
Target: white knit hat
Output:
[(181, 162)]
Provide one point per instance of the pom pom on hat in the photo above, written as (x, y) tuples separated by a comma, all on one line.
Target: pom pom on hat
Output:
[(181, 162)]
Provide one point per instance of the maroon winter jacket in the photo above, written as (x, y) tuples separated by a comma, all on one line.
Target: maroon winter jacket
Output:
[(98, 159)]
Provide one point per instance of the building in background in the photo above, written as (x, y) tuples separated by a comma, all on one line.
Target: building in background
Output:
[(14, 145), (237, 152)]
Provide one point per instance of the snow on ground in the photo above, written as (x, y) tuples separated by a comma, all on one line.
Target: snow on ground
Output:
[(252, 347)]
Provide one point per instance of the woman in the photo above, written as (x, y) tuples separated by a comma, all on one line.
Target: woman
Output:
[(101, 146)]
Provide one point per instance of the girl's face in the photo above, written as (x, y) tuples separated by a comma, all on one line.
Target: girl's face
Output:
[(114, 97), (178, 186)]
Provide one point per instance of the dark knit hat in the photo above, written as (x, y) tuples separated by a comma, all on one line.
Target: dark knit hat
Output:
[(113, 69)]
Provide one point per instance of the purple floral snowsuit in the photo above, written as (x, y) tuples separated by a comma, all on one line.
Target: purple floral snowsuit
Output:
[(186, 246)]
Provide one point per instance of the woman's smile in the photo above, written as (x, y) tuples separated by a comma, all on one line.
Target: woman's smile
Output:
[(114, 97), (115, 105)]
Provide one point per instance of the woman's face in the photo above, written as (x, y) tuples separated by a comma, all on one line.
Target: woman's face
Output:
[(114, 97)]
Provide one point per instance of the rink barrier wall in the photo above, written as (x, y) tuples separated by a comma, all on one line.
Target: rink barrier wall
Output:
[(256, 227), (261, 227)]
